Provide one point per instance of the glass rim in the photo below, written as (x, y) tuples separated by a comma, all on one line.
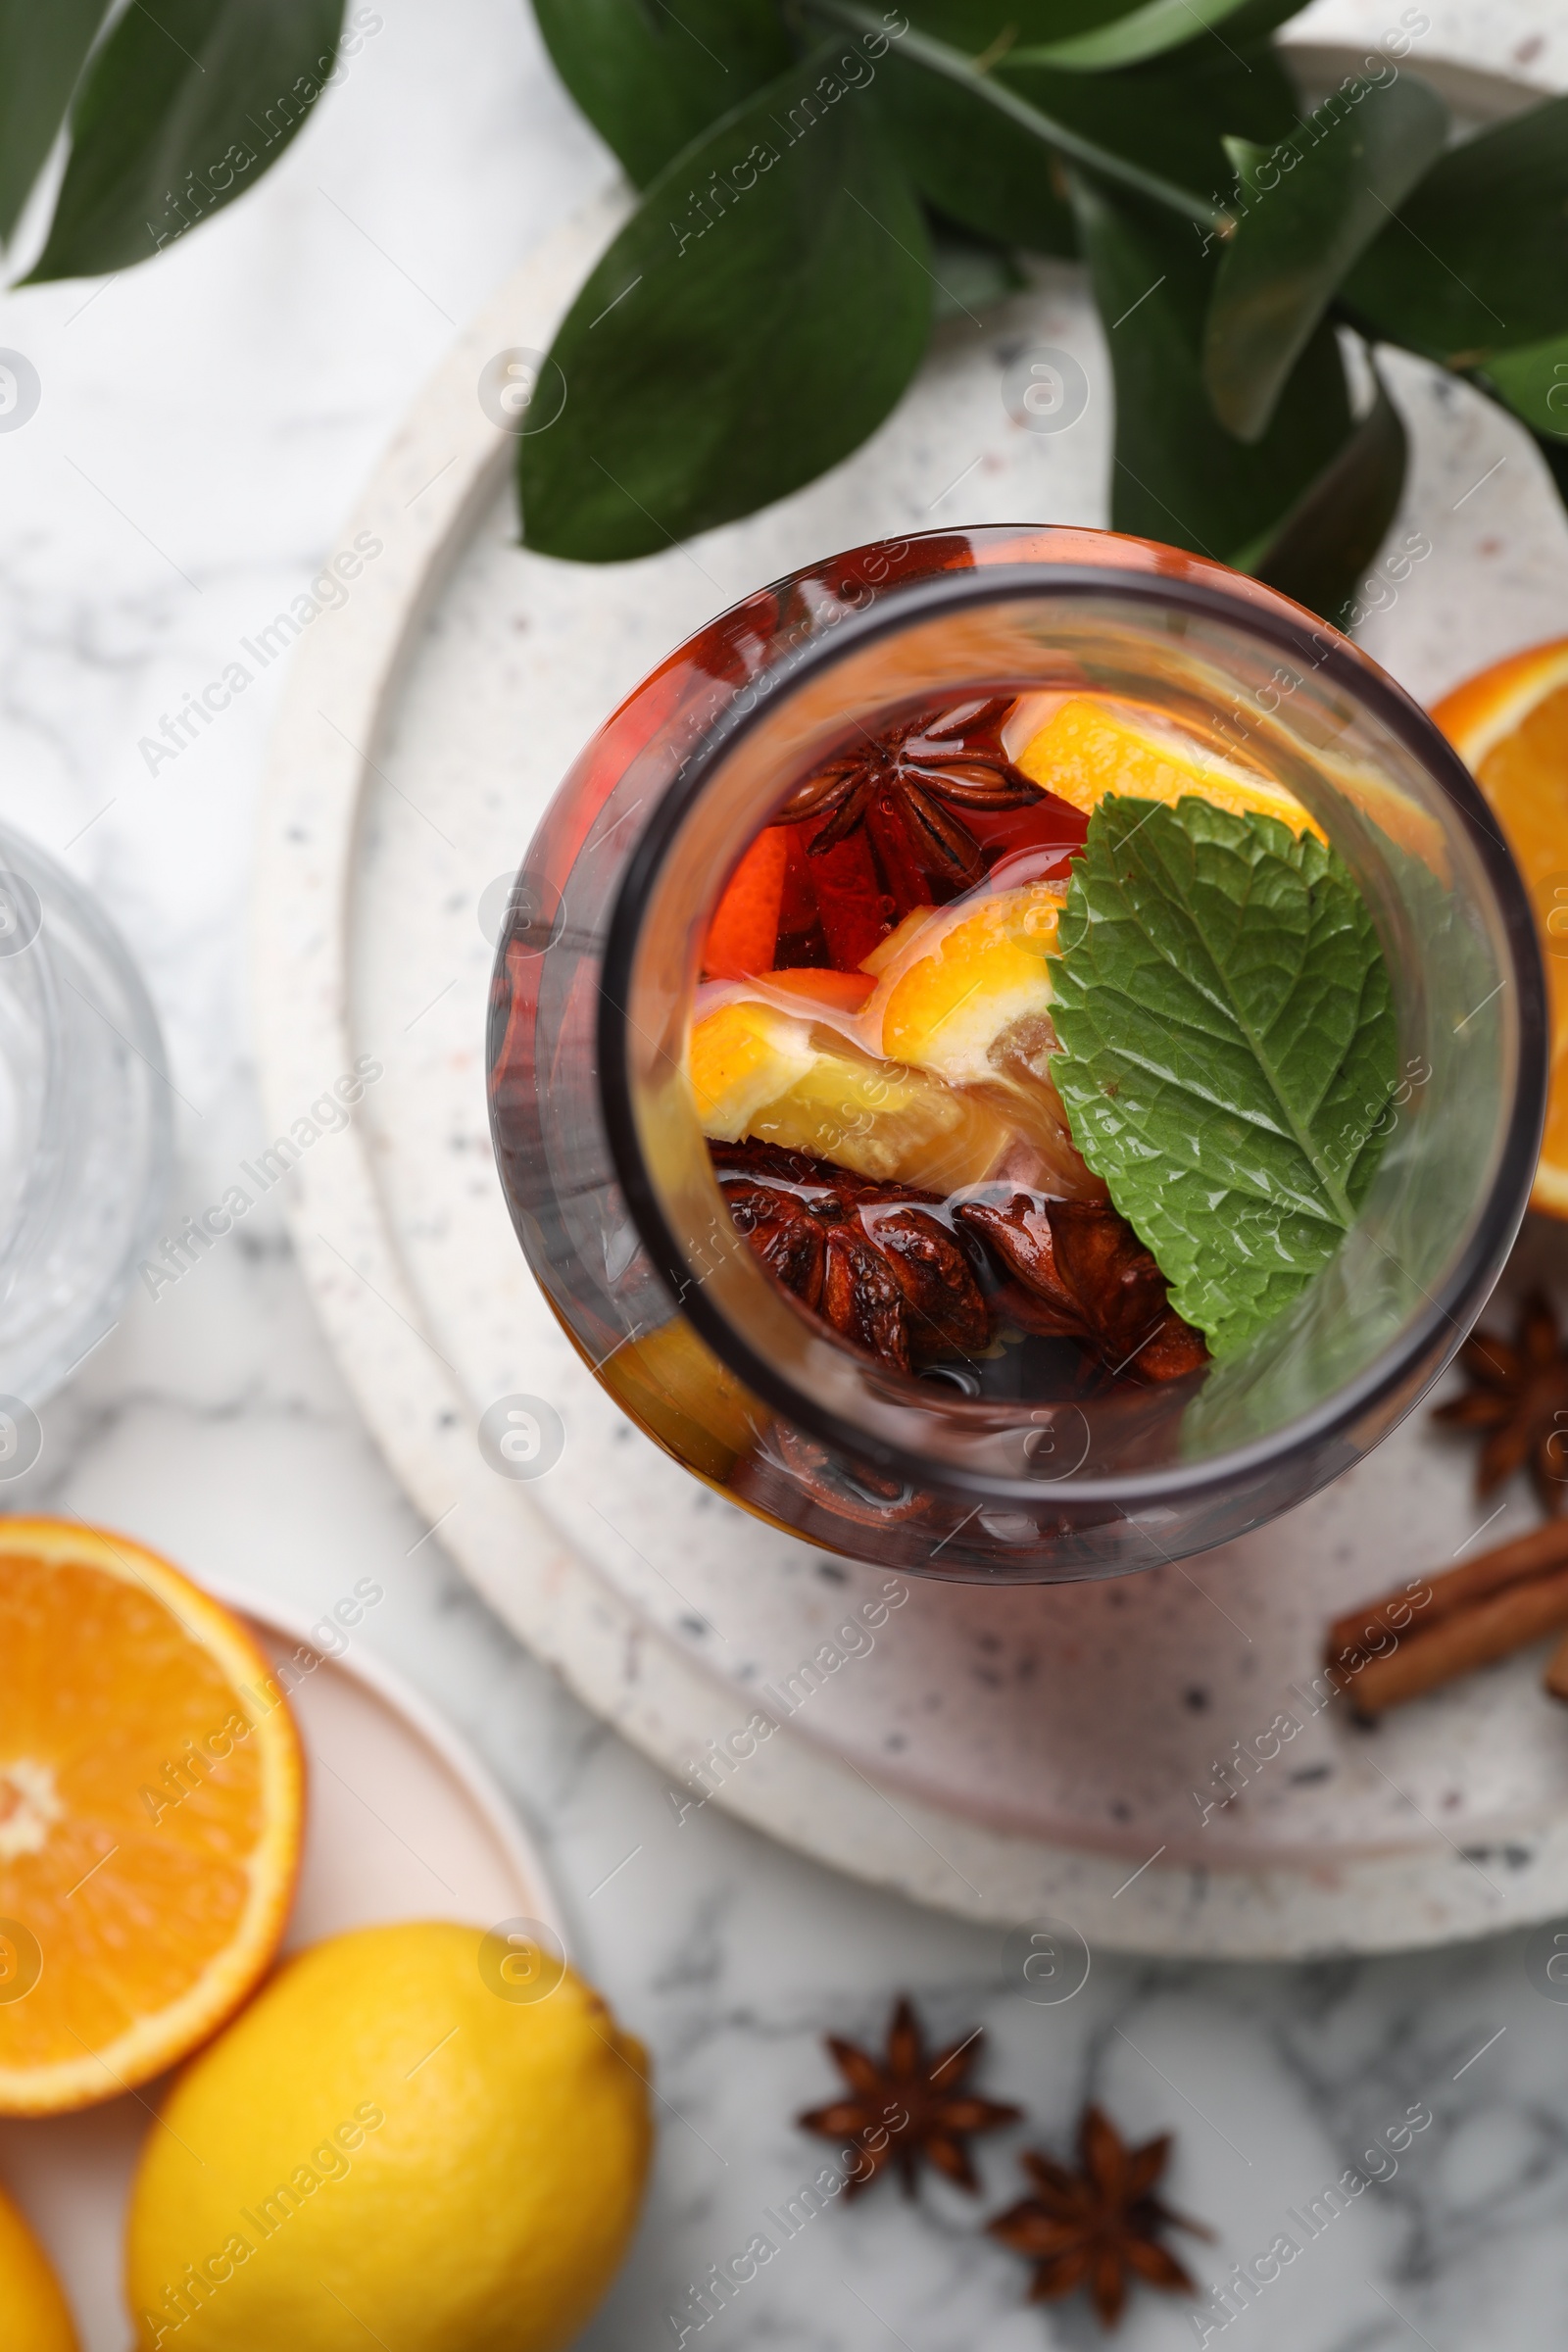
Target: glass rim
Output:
[(1284, 626)]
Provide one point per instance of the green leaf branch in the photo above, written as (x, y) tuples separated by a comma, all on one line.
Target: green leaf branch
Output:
[(820, 180)]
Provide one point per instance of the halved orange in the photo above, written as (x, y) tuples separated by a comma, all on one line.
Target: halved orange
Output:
[(150, 1805), (1510, 726)]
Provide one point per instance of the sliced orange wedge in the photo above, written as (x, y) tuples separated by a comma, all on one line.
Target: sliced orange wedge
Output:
[(756, 1072), (945, 1008), (1510, 726), (1086, 749), (844, 992), (151, 1806)]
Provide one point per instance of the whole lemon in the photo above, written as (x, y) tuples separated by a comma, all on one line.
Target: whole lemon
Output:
[(413, 2137), (32, 2308)]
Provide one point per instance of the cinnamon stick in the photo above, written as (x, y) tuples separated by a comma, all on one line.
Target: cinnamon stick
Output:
[(1427, 1601), (1466, 1637)]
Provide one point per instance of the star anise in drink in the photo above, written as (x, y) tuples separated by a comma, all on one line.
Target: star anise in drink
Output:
[(1096, 2227), (912, 782), (869, 1258), (1077, 1270), (1518, 1395), (908, 2106)]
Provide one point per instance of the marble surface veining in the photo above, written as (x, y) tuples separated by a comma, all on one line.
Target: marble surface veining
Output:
[(203, 423)]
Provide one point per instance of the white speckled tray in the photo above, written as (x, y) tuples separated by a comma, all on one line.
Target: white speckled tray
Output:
[(1010, 1754)]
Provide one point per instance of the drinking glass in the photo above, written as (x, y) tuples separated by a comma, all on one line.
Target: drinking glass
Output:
[(608, 1178), (84, 1132)]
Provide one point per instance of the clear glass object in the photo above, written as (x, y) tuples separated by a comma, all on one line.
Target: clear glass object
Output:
[(84, 1127), (608, 1177)]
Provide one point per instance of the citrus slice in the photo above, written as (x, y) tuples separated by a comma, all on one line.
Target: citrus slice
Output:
[(755, 1072), (1086, 749), (742, 1056), (151, 1800), (744, 931), (1510, 726), (811, 984), (944, 1009)]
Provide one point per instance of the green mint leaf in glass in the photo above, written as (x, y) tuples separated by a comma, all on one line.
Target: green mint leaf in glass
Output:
[(180, 113), (752, 323), (1228, 1049)]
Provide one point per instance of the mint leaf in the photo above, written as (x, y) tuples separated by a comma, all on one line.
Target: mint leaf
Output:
[(1228, 1053)]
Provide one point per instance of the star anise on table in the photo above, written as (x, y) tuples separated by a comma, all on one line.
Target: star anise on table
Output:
[(868, 1257), (908, 2106), (1096, 2227), (913, 781), (1519, 1396), (1077, 1270)]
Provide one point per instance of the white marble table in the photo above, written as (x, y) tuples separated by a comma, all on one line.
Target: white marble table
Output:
[(203, 426)]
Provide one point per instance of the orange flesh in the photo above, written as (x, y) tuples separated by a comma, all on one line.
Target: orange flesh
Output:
[(846, 991), (1512, 725), (744, 932), (152, 1871), (1526, 780)]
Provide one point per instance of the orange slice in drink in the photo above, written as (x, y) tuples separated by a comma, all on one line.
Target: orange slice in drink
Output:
[(1086, 749), (151, 1804), (943, 1009), (1510, 726), (759, 1073)]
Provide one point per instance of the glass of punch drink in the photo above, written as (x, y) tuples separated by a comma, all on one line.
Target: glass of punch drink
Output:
[(1017, 1053)]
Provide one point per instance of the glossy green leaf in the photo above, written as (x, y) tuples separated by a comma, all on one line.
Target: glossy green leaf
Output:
[(1069, 32), (1476, 261), (1178, 474), (1172, 116), (1531, 384), (1330, 538), (1313, 206), (988, 149), (978, 166), (1534, 383), (1229, 1047), (651, 78), (1152, 30), (43, 46), (178, 114), (999, 99), (990, 28), (754, 322)]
